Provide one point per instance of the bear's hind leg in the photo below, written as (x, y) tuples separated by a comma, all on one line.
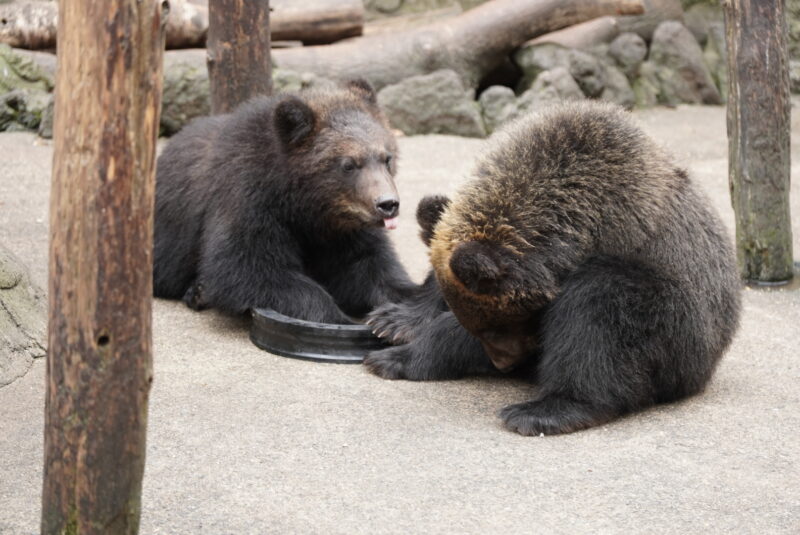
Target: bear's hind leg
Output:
[(619, 337)]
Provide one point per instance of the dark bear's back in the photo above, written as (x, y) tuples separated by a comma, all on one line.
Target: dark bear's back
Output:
[(182, 186)]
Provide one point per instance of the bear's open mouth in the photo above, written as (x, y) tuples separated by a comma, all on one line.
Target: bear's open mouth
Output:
[(390, 223)]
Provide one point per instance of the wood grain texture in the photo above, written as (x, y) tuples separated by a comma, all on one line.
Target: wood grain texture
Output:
[(238, 58), (316, 21), (759, 137), (99, 363), (471, 44)]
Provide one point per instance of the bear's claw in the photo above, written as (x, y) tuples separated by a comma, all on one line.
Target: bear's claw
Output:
[(394, 322)]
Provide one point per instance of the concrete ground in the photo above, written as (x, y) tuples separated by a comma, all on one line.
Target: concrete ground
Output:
[(241, 441)]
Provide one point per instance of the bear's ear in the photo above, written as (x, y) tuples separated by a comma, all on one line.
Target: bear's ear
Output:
[(364, 89), (429, 211), (294, 120), (482, 267)]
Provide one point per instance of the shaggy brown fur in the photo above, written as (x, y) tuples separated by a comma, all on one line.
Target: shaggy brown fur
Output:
[(582, 254)]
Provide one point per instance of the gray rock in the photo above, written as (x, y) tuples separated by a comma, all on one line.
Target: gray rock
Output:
[(716, 57), (435, 103), (646, 86), (22, 109), (498, 106), (793, 23), (46, 126), (23, 319), (535, 59), (683, 75), (186, 96), (588, 72), (284, 81), (794, 76), (550, 86), (18, 71), (628, 50), (617, 88), (46, 61), (699, 17)]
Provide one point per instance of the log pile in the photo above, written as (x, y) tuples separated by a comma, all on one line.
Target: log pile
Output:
[(32, 24)]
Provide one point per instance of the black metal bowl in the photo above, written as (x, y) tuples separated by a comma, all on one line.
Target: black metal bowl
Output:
[(309, 340)]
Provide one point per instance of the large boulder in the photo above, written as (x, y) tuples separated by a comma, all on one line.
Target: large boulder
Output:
[(186, 95), (682, 72), (793, 22), (435, 103), (716, 57), (628, 50), (498, 106), (617, 87), (23, 109), (588, 72), (646, 86), (794, 76), (700, 17), (550, 86), (534, 59), (23, 319), (20, 71)]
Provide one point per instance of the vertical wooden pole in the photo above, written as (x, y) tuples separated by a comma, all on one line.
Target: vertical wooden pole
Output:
[(99, 362), (758, 137), (238, 48)]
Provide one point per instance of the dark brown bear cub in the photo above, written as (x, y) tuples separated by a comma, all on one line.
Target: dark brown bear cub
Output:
[(582, 257), (282, 204)]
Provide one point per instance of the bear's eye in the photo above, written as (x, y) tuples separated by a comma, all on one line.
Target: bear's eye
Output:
[(389, 162), (348, 165)]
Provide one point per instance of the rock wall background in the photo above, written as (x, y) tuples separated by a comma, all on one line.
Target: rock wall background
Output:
[(682, 62)]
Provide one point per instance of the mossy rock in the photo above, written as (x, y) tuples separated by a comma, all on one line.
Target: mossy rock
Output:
[(18, 72)]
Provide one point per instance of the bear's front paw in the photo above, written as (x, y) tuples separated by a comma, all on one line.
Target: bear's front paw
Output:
[(388, 363), (393, 322), (551, 415), (193, 298)]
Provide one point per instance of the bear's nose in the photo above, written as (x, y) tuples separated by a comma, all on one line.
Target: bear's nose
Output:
[(387, 207)]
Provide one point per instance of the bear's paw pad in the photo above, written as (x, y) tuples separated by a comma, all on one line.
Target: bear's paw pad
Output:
[(550, 416), (388, 363)]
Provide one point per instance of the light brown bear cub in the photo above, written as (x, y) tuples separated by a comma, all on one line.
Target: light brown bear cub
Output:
[(580, 255)]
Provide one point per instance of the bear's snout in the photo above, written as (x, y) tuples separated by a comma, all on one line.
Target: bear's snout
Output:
[(387, 206)]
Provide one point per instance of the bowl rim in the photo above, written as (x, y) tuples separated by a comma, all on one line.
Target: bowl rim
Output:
[(276, 316)]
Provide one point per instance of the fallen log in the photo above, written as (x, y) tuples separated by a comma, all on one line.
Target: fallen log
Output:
[(32, 24), (316, 22), (655, 12), (583, 35), (471, 44)]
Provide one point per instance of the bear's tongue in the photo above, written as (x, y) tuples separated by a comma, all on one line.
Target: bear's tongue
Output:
[(390, 223)]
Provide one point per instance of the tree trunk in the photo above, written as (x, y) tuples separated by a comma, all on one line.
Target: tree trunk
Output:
[(758, 137), (239, 64), (99, 363), (472, 43)]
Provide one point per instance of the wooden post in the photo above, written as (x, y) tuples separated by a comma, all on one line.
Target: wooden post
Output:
[(758, 137), (99, 362), (238, 45)]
